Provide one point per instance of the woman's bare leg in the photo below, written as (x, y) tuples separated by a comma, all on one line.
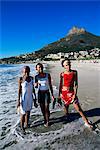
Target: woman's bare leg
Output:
[(43, 111), (27, 116), (79, 109), (22, 120), (66, 110), (47, 113)]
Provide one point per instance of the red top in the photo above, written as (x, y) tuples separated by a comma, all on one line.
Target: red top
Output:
[(66, 87), (68, 79)]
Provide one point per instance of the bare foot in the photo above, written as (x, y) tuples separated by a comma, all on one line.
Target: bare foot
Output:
[(46, 125), (89, 125), (23, 131)]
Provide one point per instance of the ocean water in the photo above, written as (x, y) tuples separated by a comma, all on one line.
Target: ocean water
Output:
[(37, 137)]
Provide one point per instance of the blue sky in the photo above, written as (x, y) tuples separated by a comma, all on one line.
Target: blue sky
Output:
[(29, 25)]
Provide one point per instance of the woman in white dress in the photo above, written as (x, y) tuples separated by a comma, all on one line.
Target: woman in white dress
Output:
[(25, 96)]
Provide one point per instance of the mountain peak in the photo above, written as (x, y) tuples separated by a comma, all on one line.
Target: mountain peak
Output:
[(76, 30)]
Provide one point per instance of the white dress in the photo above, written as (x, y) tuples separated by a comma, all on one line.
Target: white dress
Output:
[(27, 96)]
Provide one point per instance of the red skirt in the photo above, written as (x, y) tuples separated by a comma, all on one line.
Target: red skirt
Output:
[(67, 97)]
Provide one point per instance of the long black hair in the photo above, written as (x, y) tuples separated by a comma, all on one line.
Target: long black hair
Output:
[(27, 68), (41, 66)]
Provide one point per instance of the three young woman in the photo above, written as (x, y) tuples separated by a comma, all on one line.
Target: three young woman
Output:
[(67, 92)]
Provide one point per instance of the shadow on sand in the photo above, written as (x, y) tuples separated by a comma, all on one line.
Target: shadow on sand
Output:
[(72, 117)]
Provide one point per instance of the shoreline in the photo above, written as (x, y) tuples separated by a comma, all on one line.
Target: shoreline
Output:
[(52, 61)]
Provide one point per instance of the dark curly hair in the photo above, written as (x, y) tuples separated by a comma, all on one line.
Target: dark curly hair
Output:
[(66, 59)]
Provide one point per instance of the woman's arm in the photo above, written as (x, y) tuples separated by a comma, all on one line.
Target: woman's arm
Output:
[(35, 100), (19, 91), (50, 84), (36, 81), (34, 92), (33, 88), (60, 85), (35, 103), (75, 83)]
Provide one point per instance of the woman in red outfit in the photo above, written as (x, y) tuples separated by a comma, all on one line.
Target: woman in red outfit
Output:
[(68, 90)]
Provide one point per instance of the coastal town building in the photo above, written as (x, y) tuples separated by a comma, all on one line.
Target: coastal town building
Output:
[(93, 53)]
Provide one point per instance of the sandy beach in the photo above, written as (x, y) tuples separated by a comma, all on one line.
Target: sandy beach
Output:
[(62, 134)]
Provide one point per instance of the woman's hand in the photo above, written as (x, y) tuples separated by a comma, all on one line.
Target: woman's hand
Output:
[(35, 105), (53, 98), (73, 98), (60, 96), (18, 104), (59, 101)]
